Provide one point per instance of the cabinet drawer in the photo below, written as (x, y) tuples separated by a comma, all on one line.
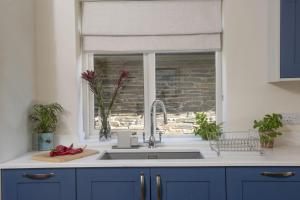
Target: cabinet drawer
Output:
[(37, 184), (263, 183)]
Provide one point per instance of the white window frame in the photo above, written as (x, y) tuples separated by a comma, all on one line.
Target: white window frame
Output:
[(149, 66)]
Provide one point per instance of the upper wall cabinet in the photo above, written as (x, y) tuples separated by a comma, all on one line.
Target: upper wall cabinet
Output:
[(284, 26), (290, 39)]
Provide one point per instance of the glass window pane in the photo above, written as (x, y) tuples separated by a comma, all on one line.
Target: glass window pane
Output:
[(186, 83), (128, 111)]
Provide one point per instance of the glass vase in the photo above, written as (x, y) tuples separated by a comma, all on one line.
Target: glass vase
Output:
[(105, 131)]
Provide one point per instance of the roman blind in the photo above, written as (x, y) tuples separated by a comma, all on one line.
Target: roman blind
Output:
[(161, 25)]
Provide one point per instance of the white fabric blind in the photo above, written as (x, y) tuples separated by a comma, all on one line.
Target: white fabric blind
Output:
[(152, 43), (152, 25)]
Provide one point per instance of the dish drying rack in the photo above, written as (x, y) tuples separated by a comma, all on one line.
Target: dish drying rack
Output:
[(238, 141)]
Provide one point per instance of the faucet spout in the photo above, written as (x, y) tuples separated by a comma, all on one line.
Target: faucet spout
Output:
[(152, 141)]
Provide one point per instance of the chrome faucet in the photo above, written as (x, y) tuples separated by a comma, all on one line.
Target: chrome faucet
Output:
[(152, 141)]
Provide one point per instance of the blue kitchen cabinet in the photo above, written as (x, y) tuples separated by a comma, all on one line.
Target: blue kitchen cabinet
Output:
[(113, 184), (184, 183), (39, 184), (166, 184), (188, 184), (290, 39), (263, 183)]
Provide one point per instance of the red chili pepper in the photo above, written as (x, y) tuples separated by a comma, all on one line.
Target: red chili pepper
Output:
[(61, 150), (70, 147), (76, 151)]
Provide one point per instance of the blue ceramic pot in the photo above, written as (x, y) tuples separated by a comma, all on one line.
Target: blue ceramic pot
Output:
[(45, 141)]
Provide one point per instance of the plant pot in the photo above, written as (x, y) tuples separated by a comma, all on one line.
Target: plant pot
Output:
[(45, 141), (266, 143)]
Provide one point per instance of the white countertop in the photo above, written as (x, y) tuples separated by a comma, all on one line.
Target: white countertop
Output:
[(280, 156)]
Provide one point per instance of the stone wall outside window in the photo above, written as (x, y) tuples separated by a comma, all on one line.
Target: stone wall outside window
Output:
[(185, 82)]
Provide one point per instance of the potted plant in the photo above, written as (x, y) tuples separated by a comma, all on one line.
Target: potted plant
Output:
[(45, 119), (94, 80), (206, 129), (268, 129)]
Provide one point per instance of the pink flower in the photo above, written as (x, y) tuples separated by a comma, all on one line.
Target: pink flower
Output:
[(94, 80), (88, 75), (123, 75)]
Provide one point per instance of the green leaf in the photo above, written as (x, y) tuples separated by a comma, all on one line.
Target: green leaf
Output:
[(205, 129), (268, 126), (45, 117)]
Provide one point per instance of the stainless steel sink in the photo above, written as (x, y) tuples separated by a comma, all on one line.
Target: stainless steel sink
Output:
[(150, 155)]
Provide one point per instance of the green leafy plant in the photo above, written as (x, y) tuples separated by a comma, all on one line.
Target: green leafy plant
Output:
[(45, 117), (207, 130), (267, 128)]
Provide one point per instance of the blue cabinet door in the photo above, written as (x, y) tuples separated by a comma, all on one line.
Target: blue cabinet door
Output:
[(44, 184), (113, 184), (290, 39), (188, 184), (272, 183)]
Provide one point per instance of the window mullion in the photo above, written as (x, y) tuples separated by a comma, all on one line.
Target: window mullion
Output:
[(90, 129), (86, 96), (219, 88), (149, 88)]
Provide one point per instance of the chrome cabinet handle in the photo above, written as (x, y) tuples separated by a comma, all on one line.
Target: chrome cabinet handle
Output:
[(158, 187), (39, 176), (142, 179), (278, 174)]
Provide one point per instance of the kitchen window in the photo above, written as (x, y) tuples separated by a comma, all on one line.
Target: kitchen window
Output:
[(172, 51), (185, 82)]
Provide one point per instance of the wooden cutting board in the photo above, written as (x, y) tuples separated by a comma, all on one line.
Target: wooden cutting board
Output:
[(46, 158)]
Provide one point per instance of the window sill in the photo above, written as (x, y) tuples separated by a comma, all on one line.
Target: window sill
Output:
[(166, 140)]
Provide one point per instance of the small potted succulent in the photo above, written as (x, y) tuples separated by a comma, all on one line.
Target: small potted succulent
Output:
[(268, 129), (205, 129), (45, 120)]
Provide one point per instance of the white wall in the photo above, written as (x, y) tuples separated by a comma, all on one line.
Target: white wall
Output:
[(58, 74), (246, 60), (16, 75)]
